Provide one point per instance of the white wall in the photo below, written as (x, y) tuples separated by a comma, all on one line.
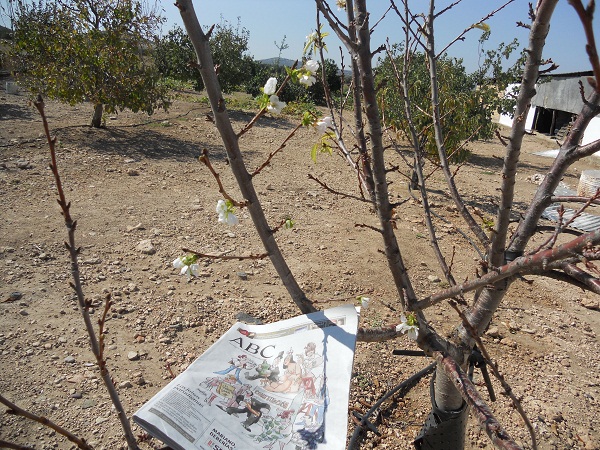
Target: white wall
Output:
[(592, 132), (505, 119)]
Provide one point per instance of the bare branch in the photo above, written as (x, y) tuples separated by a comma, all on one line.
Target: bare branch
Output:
[(273, 153), (581, 276), (95, 345), (206, 161), (573, 199), (222, 256), (236, 160), (439, 136), (521, 265), (333, 191), (14, 409), (494, 366), (537, 37), (479, 408), (586, 16), (461, 37)]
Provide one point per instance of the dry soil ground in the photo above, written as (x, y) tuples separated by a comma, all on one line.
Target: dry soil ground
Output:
[(139, 179)]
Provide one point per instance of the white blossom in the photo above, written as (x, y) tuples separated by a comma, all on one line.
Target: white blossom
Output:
[(311, 65), (312, 36), (275, 106), (307, 80), (324, 124), (408, 326), (194, 269), (226, 215), (187, 266), (364, 301), (270, 86)]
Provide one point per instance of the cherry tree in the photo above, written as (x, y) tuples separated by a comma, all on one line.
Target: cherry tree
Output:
[(505, 256), (360, 141)]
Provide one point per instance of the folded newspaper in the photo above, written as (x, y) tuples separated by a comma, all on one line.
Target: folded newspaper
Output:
[(284, 386)]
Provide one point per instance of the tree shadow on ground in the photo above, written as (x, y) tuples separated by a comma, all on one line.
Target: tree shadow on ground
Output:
[(139, 143), (15, 112), (495, 163), (488, 204)]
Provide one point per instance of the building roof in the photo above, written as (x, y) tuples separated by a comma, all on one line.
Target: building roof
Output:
[(562, 91)]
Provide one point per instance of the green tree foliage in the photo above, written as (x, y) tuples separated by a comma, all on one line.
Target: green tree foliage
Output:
[(294, 92), (90, 50), (229, 45), (493, 75), (467, 102)]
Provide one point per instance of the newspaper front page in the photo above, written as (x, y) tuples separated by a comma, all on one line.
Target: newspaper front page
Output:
[(282, 386)]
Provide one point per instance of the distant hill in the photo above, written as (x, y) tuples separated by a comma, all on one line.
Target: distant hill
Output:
[(273, 61), (5, 33)]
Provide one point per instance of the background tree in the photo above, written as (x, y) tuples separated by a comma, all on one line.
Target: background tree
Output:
[(467, 102), (229, 44), (97, 51)]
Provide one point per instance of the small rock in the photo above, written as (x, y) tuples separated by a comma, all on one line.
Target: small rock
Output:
[(14, 296), (69, 359), (92, 261), (139, 226), (146, 247), (247, 318), (591, 303), (508, 342), (140, 381), (23, 312), (76, 395), (88, 403), (78, 378), (242, 275), (494, 332), (433, 278), (132, 172), (133, 356), (23, 164), (125, 384)]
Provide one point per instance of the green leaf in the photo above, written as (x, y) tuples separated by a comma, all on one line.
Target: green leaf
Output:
[(313, 152)]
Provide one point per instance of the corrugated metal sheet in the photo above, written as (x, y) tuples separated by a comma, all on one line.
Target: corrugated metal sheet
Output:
[(585, 222), (561, 93)]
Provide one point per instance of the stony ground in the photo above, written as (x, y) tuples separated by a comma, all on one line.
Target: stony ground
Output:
[(140, 195)]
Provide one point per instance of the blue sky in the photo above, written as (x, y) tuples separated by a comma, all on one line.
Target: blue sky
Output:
[(270, 20)]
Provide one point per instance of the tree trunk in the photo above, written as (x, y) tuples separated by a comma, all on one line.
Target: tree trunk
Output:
[(97, 118)]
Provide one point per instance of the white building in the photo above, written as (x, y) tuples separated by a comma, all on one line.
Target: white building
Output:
[(556, 105)]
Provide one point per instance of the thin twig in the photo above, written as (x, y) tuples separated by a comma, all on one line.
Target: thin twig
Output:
[(586, 16), (84, 304), (206, 161), (273, 153), (237, 257), (333, 191), (14, 409)]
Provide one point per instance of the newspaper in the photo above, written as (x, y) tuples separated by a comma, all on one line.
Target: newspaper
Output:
[(282, 386)]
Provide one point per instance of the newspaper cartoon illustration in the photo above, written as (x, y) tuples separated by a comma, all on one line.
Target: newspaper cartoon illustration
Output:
[(262, 390)]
